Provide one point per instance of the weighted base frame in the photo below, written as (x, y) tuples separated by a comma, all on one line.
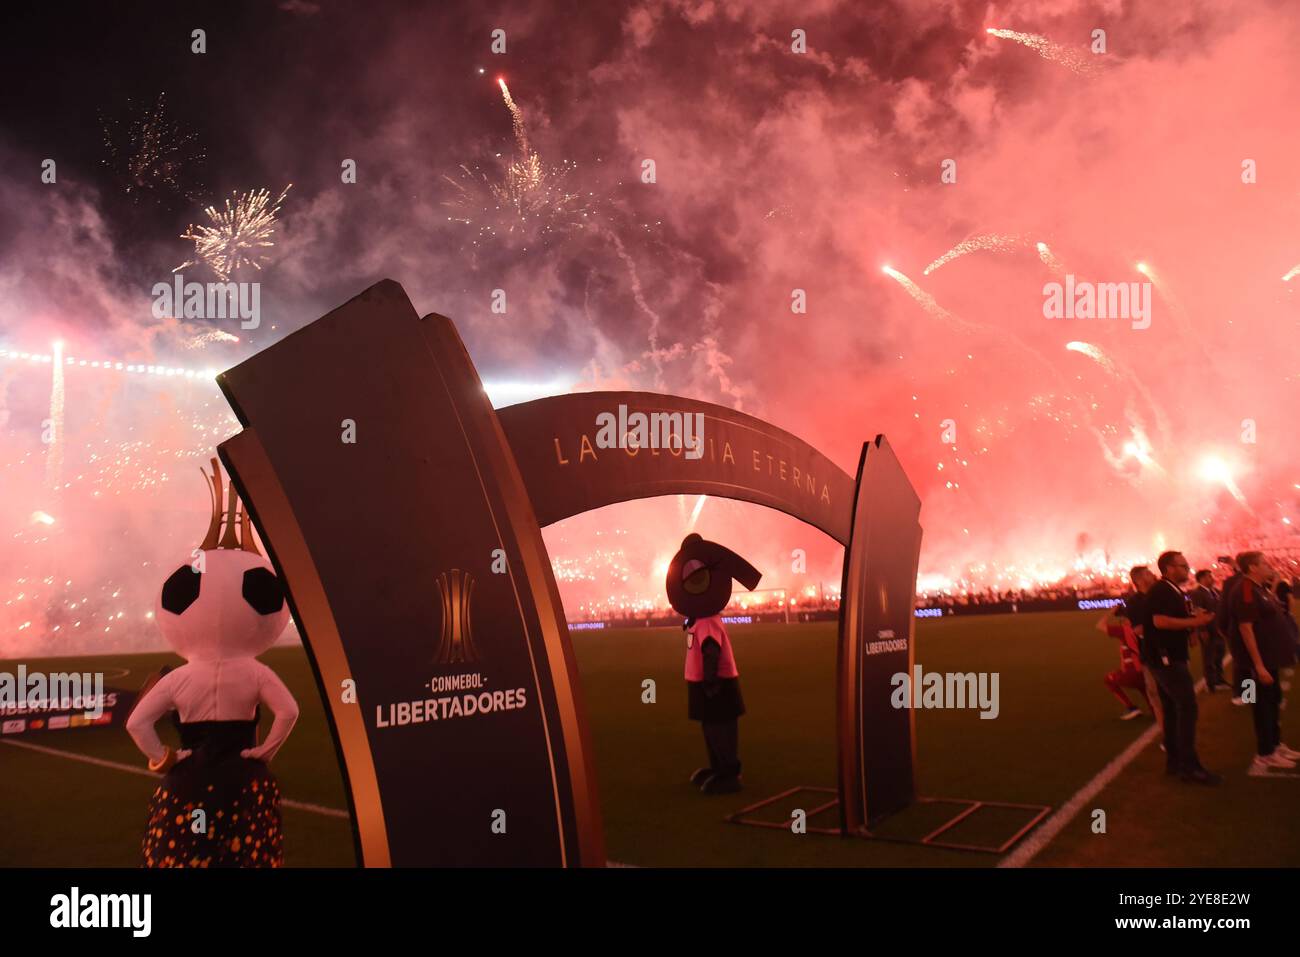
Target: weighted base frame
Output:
[(932, 839)]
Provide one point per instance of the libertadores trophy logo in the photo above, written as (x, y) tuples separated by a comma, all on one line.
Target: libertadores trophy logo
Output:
[(457, 644)]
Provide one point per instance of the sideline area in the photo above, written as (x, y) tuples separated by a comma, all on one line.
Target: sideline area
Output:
[(1057, 731)]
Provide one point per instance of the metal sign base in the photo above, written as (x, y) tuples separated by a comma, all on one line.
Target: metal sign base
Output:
[(932, 839)]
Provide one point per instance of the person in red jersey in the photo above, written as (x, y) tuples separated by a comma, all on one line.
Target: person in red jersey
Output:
[(1129, 673)]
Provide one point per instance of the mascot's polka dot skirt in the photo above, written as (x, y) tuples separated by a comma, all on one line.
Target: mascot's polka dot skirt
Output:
[(243, 831)]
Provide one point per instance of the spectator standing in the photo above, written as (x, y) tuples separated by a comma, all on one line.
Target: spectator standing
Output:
[(1265, 639), (1165, 655)]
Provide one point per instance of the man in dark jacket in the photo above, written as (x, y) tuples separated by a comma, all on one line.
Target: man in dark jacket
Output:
[(1266, 641), (1210, 639), (1165, 654), (1228, 628)]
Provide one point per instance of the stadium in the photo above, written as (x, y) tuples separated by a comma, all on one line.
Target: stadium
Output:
[(647, 440)]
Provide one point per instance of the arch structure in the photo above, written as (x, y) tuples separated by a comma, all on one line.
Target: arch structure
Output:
[(404, 516)]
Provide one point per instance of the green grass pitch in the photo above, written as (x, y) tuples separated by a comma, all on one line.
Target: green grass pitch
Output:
[(1056, 729)]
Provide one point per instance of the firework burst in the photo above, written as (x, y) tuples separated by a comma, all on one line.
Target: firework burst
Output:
[(528, 198), (238, 235), (151, 155)]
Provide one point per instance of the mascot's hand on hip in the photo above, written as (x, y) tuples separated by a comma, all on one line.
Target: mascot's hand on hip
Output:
[(218, 613), (699, 587)]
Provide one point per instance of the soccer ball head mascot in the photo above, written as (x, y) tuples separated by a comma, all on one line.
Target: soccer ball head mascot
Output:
[(218, 804), (699, 587)]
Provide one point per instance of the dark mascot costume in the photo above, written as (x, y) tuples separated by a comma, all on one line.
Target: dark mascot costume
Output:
[(218, 805), (699, 587)]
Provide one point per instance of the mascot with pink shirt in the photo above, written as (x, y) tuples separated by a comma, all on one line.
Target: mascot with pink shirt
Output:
[(699, 587), (218, 613)]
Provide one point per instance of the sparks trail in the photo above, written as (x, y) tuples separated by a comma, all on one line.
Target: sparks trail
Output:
[(151, 154), (717, 362), (927, 301), (1069, 57), (237, 235), (1093, 353), (1138, 447), (1000, 337), (516, 119), (207, 338), (995, 242), (655, 354), (1179, 315), (695, 512), (933, 308)]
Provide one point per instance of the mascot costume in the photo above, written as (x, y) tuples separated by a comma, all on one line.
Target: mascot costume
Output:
[(699, 587), (218, 804)]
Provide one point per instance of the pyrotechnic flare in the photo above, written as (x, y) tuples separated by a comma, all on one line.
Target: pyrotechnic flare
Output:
[(239, 234), (152, 154), (1093, 353), (1215, 469), (995, 242), (1139, 447), (1291, 273), (1050, 260), (54, 457), (1068, 57), (206, 338)]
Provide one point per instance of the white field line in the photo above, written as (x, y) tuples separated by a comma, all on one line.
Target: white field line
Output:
[(132, 769), (1027, 849)]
